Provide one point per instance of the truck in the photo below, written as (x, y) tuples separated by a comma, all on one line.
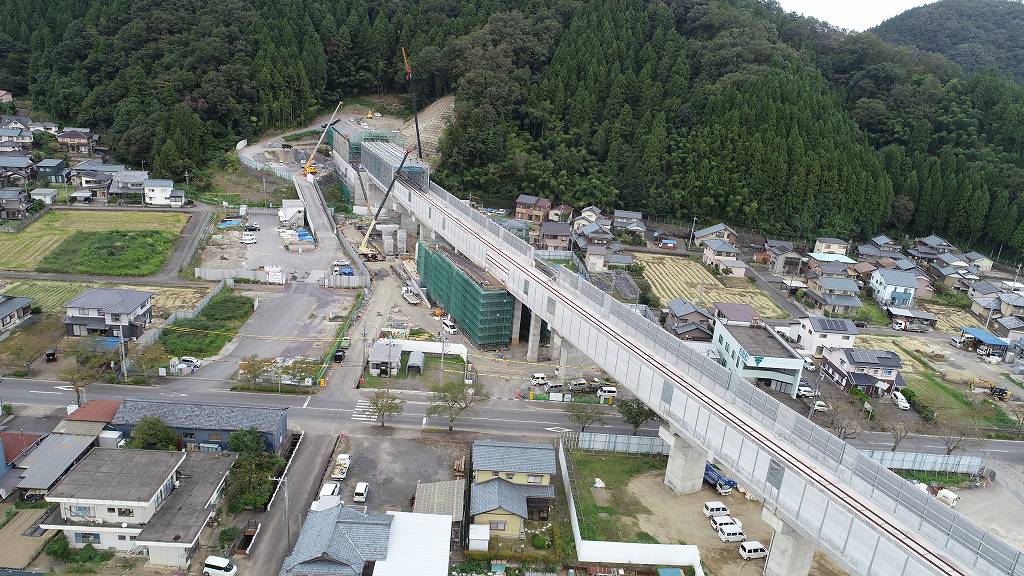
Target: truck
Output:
[(341, 464), (714, 476), (909, 326), (410, 296)]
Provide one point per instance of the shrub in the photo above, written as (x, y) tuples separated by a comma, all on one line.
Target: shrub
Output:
[(926, 412), (58, 547), (37, 309), (539, 542), (228, 536), (227, 306), (8, 408), (79, 569)]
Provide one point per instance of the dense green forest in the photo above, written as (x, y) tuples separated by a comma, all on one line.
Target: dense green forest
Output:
[(978, 35), (724, 109)]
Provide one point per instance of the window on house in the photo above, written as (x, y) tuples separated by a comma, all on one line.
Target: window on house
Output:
[(87, 538), (82, 511), (846, 337), (122, 537), (188, 435), (115, 317), (213, 437), (509, 475), (132, 537), (111, 510), (495, 473), (497, 525), (533, 479), (126, 512)]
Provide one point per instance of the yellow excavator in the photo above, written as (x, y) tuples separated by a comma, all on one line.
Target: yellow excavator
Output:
[(309, 168), (366, 252)]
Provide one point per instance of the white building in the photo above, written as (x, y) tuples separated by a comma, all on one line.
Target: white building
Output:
[(759, 354), (893, 287), (140, 501), (157, 192), (815, 333)]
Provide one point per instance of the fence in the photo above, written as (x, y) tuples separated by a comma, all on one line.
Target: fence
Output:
[(336, 281), (972, 465), (218, 274), (621, 552), (341, 333), (200, 239), (596, 442), (150, 336), (19, 225)]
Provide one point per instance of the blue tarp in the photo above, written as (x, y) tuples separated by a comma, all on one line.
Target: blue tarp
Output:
[(984, 337), (229, 224)]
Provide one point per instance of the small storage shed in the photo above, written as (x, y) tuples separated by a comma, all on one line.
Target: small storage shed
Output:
[(415, 363)]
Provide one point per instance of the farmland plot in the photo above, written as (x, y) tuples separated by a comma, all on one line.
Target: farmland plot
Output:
[(676, 277), (950, 319), (51, 295)]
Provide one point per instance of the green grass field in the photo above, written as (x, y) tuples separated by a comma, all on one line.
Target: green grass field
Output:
[(206, 334), (111, 253), (27, 249), (614, 520)]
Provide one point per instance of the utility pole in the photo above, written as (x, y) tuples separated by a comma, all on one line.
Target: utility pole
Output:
[(693, 230), (287, 523), (1015, 274), (444, 342)]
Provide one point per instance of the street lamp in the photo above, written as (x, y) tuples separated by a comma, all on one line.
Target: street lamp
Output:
[(287, 524)]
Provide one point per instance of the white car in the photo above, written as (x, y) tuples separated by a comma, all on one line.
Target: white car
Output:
[(362, 489), (820, 406), (806, 392), (342, 262), (809, 364), (248, 238), (217, 566), (190, 361)]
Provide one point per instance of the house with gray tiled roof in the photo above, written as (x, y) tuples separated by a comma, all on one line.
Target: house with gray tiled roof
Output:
[(718, 231), (109, 312), (205, 426), (338, 541), (687, 321), (511, 483)]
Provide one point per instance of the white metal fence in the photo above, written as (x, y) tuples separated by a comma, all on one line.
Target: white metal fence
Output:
[(927, 462), (597, 442), (218, 274), (150, 336)]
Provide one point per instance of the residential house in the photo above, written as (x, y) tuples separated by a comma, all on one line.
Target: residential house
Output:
[(13, 309), (928, 248), (593, 234), (38, 471), (520, 228), (78, 140), (53, 170), (127, 500), (715, 232), (560, 213), (688, 321), (6, 96), (18, 136), (1010, 328), (1011, 303), (385, 358), (981, 262), (13, 446), (893, 287), (629, 221), (45, 195), (924, 289), (109, 312), (596, 258), (532, 208), (957, 278), (555, 235), (875, 372), (880, 246), (43, 126), (97, 166), (11, 147), (834, 295), (734, 314), (589, 215), (815, 260), (724, 256), (161, 193), (17, 121), (863, 270), (783, 260), (815, 333), (14, 167), (983, 288), (338, 540), (759, 354), (131, 182), (94, 182), (14, 203), (829, 245), (834, 269), (511, 483), (205, 426)]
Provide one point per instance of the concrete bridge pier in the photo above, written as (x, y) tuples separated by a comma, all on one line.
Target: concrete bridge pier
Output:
[(407, 220), (533, 344), (517, 321), (686, 461), (424, 233), (790, 553)]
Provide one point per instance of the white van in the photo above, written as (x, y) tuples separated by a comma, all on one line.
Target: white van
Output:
[(362, 488), (717, 522), (554, 387), (900, 400), (330, 489), (731, 533), (715, 508), (449, 326), (809, 364), (539, 379), (948, 497), (752, 550), (248, 238), (606, 392), (217, 566)]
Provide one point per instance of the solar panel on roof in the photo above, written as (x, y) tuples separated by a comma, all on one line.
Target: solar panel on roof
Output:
[(833, 324), (866, 356)]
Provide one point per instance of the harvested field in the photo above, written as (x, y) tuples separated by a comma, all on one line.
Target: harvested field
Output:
[(678, 277), (52, 295)]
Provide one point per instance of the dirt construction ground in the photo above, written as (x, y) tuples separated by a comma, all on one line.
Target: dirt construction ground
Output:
[(680, 520)]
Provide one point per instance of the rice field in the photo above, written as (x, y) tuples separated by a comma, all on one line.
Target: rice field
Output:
[(52, 295), (26, 249), (678, 277), (950, 319)]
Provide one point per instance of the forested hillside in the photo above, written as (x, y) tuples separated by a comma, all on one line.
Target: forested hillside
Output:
[(726, 109), (976, 34)]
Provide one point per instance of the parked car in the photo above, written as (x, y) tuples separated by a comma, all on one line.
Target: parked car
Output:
[(554, 387), (252, 227), (718, 522), (330, 489), (820, 406), (605, 393), (286, 145), (731, 533), (809, 364), (752, 550), (900, 400), (217, 566), (342, 262), (539, 379), (806, 392), (190, 361), (339, 356), (248, 238), (579, 385), (715, 508), (362, 489), (860, 323), (449, 327)]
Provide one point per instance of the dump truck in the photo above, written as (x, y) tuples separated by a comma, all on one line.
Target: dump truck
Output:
[(714, 476), (341, 464)]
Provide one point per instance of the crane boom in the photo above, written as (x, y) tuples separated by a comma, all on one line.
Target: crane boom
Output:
[(309, 168), (412, 100), (364, 246)]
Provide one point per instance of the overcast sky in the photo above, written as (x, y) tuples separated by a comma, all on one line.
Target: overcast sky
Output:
[(851, 14)]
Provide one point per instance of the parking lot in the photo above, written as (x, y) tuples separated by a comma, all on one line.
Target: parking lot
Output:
[(229, 252), (393, 465)]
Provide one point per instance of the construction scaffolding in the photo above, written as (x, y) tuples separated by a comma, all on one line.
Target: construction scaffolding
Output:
[(349, 147), (477, 301), (381, 160)]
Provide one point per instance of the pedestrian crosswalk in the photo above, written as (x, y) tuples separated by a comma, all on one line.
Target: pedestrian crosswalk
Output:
[(364, 412)]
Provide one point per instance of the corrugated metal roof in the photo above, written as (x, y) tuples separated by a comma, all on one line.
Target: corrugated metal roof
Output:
[(445, 497), (51, 459), (513, 457), (80, 427), (200, 416)]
